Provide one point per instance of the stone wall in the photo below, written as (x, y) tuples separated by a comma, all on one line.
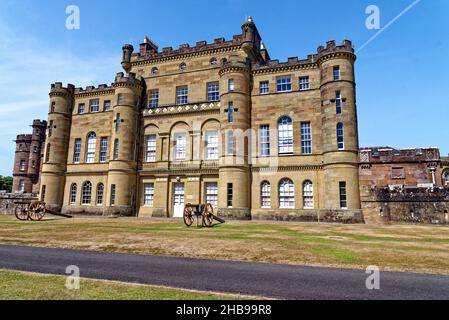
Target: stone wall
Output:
[(412, 205), (7, 201)]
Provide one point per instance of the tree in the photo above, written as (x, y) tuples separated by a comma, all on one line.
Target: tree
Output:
[(6, 183)]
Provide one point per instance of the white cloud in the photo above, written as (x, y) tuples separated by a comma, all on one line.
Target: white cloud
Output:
[(27, 72)]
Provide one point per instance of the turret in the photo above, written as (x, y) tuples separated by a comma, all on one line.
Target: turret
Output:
[(339, 125), (252, 40), (127, 50), (234, 184), (56, 146), (123, 157), (37, 141)]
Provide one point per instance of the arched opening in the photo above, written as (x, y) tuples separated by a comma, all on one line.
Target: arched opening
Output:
[(307, 194), (90, 147), (286, 194), (285, 135), (73, 192), (86, 196), (265, 195)]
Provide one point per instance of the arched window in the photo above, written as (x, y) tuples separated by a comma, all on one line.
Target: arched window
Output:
[(100, 192), (213, 61), (307, 194), (90, 147), (86, 193), (340, 136), (183, 66), (73, 191), (265, 194), (286, 194), (47, 153), (154, 71), (285, 133)]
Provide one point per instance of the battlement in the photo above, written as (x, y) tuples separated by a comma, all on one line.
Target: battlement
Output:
[(92, 89), (39, 123), (24, 138), (389, 154), (59, 88), (150, 51), (130, 79), (331, 47)]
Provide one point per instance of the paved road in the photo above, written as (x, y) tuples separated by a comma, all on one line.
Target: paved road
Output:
[(268, 280)]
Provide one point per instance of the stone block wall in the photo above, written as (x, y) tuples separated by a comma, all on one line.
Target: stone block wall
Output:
[(7, 201)]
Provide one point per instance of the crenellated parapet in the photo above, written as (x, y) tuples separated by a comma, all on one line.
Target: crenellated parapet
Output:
[(129, 80), (234, 65), (57, 89), (332, 51), (102, 89)]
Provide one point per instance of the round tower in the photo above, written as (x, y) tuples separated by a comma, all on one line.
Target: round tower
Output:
[(37, 140), (56, 145), (339, 126), (122, 173), (235, 118)]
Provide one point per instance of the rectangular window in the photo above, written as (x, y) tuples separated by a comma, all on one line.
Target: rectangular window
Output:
[(107, 105), (151, 149), (112, 195), (33, 163), (120, 99), (284, 84), (340, 137), (231, 85), (81, 108), (336, 73), (338, 101), (230, 195), (77, 151), (94, 105), (103, 149), (212, 145), (212, 194), (43, 193), (182, 94), (153, 101), (35, 149), (50, 128), (306, 138), (148, 194), (22, 186), (231, 111), (180, 146), (343, 200), (264, 140), (213, 91), (230, 143), (22, 165), (115, 156), (397, 173), (264, 87), (53, 107), (265, 195), (304, 83)]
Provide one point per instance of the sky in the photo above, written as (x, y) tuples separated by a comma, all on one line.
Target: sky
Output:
[(402, 74)]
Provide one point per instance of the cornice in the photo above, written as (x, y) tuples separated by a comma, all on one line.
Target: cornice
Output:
[(337, 54), (94, 93), (182, 109), (286, 68)]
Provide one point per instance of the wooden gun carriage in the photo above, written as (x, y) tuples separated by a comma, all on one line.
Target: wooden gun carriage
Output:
[(205, 212), (34, 211)]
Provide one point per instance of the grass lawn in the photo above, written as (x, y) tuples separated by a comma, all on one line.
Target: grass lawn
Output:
[(31, 286), (395, 247)]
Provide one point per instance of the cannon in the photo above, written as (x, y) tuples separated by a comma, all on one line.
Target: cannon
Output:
[(203, 212), (34, 211)]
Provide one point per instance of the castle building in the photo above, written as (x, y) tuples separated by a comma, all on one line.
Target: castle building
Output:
[(27, 161), (218, 123)]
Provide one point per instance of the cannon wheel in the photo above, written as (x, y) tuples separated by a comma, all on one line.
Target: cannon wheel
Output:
[(208, 215), (188, 215), (21, 211), (37, 210)]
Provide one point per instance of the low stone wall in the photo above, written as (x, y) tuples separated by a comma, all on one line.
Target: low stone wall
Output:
[(327, 216), (413, 205), (7, 201)]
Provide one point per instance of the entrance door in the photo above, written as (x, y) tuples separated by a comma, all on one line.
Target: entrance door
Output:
[(178, 200)]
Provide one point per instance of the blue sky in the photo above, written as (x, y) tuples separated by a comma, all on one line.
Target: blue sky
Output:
[(402, 76)]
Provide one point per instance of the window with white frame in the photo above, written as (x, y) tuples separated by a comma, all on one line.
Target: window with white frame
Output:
[(22, 186), (81, 108), (153, 101), (307, 195), (265, 195), (113, 194), (86, 194), (340, 136), (100, 194), (264, 140), (73, 192), (151, 149), (148, 194), (90, 147), (264, 87), (231, 85), (107, 105), (180, 146), (338, 102), (94, 105), (22, 165), (306, 138), (212, 145), (284, 84), (304, 83), (343, 199), (103, 149), (285, 135), (212, 193), (286, 194), (213, 91), (336, 73), (230, 143), (182, 94)]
